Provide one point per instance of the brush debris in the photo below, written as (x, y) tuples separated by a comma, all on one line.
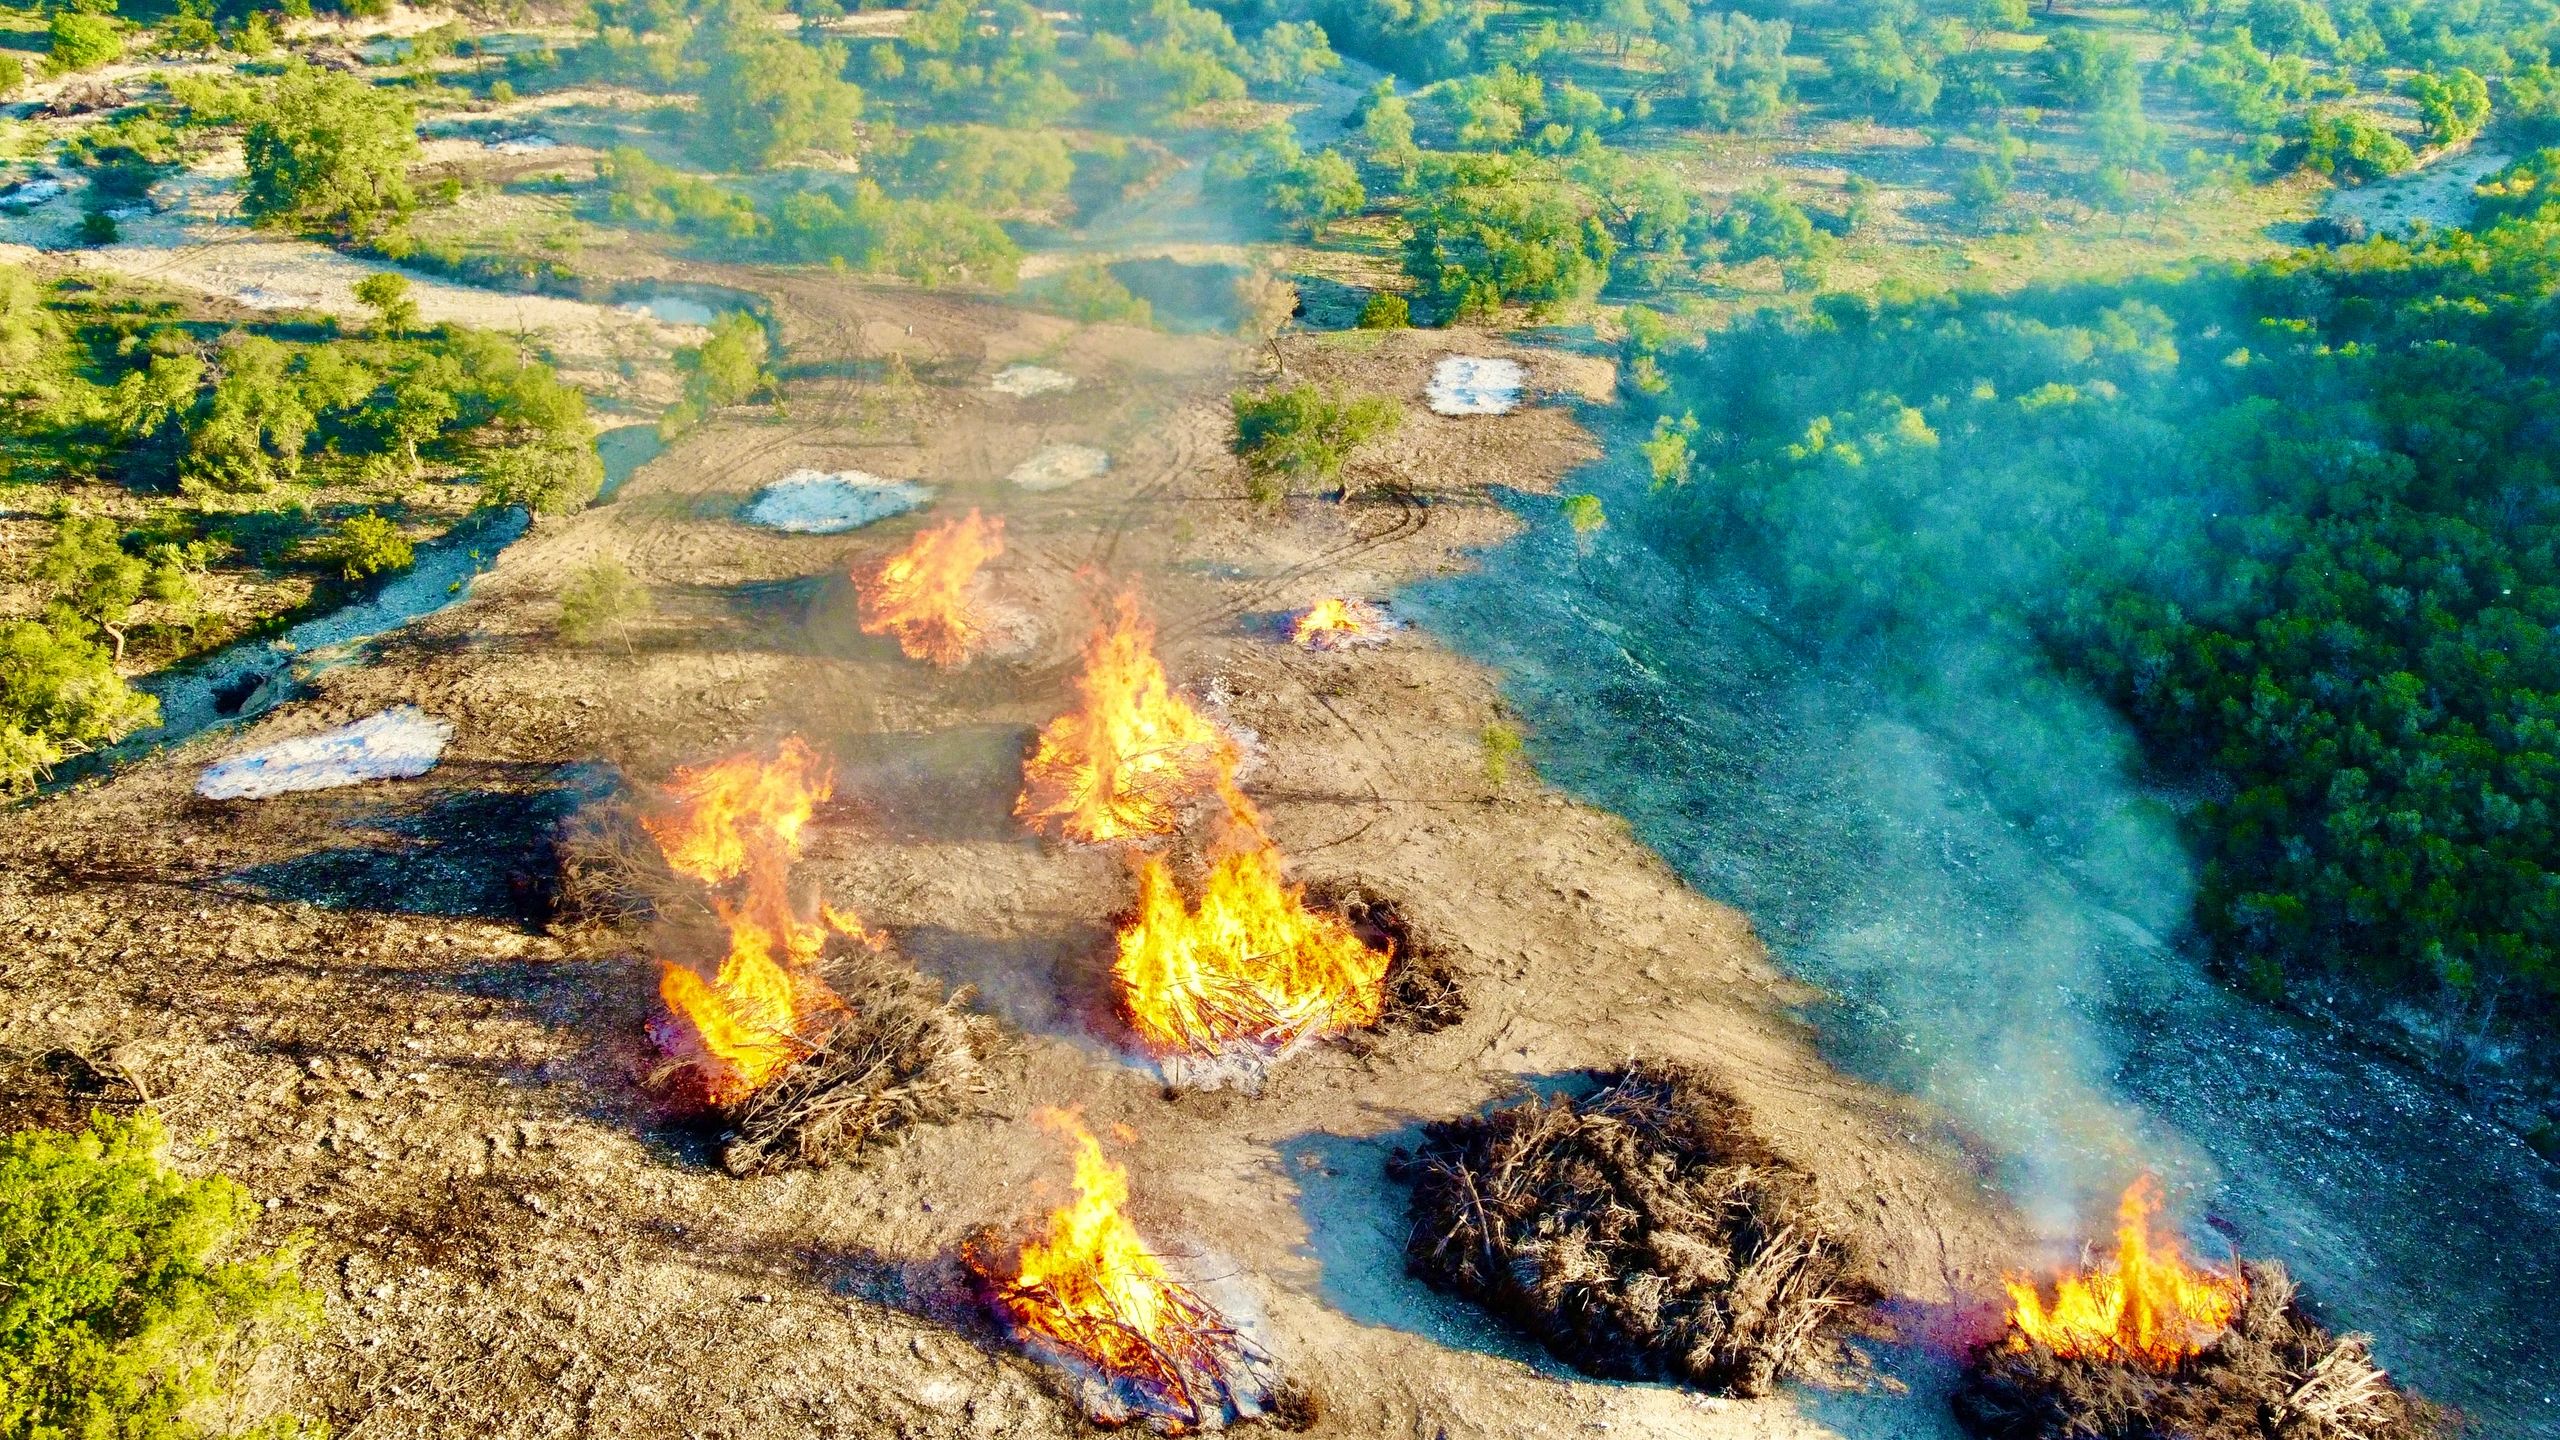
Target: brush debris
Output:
[(2275, 1374), (1642, 1232), (902, 1054)]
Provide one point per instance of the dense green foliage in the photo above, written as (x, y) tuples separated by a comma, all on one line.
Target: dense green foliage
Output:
[(329, 152), (726, 369), (855, 224), (127, 1310), (1305, 434), (2298, 521), (232, 431), (82, 42)]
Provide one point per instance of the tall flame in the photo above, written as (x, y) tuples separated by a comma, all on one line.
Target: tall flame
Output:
[(1092, 1286), (2147, 1304), (742, 817), (1337, 624), (923, 594), (1250, 962), (1125, 761)]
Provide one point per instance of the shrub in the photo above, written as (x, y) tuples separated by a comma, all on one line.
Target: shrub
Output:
[(128, 1312), (1091, 293), (1385, 310), (13, 73), (367, 545), (601, 599), (82, 42), (1502, 746), (386, 294), (60, 695), (2348, 146), (1304, 433), (727, 369)]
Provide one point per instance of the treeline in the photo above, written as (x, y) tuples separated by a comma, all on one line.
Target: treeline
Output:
[(2299, 521), (239, 445)]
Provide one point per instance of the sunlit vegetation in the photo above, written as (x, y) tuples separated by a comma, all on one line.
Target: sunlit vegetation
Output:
[(177, 450), (134, 1307), (2294, 519), (1305, 434)]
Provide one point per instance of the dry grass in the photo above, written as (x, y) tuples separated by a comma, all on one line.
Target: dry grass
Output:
[(2274, 1375), (1642, 1232)]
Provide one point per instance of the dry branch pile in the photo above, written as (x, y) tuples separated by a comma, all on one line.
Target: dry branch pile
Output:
[(1182, 1368), (1642, 1232), (2274, 1375), (1423, 991), (902, 1054)]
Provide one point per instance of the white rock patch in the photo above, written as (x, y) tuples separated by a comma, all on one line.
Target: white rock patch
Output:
[(397, 744), (1474, 385), (1029, 380), (1055, 467), (815, 502)]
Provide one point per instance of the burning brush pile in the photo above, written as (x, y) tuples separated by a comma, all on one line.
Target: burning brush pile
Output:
[(808, 1041), (1338, 624), (1086, 1295), (1642, 1232), (2147, 1346), (929, 596), (1221, 983)]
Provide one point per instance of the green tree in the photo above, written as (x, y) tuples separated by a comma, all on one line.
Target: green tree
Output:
[(1304, 434), (128, 1307), (2454, 107), (1386, 125), (1289, 56), (94, 582), (1385, 310), (2348, 146), (81, 41), (60, 695), (330, 153), (386, 294), (13, 74), (768, 99), (727, 369)]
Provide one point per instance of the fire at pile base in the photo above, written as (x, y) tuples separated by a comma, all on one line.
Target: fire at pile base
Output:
[(2273, 1374), (1335, 625), (901, 1054), (1643, 1232), (1133, 1344)]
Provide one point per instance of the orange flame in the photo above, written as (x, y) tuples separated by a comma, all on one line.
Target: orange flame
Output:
[(922, 595), (1334, 624), (1249, 963), (1092, 1286), (1124, 762), (2147, 1305), (740, 811), (743, 817)]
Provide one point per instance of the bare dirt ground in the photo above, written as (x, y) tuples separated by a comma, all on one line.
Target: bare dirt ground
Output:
[(350, 1002)]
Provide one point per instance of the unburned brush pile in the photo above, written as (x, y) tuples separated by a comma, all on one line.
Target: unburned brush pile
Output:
[(1641, 1232), (2273, 1374)]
